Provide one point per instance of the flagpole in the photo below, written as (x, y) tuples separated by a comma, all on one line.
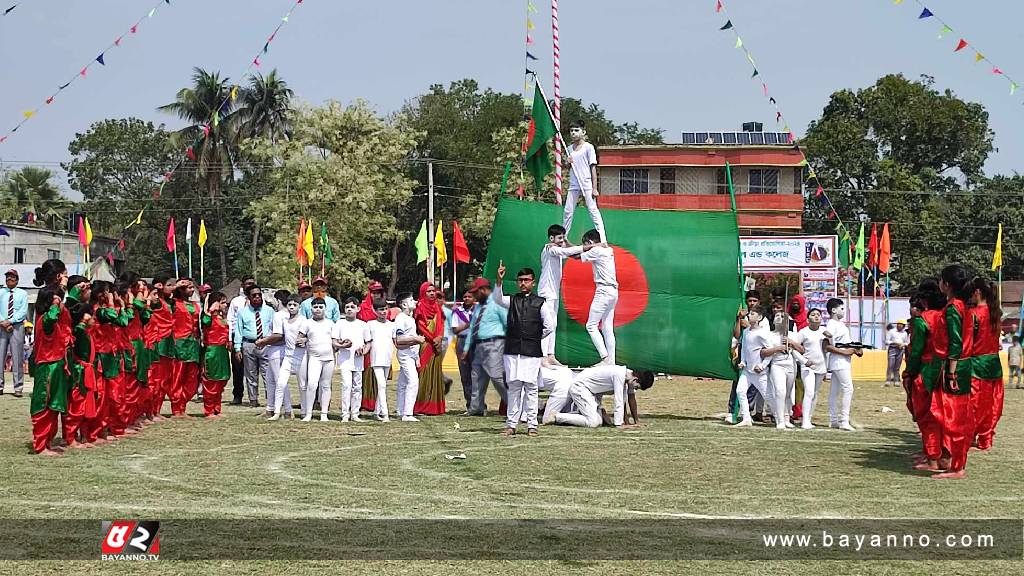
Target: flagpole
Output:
[(202, 266), (860, 305), (188, 238), (874, 296)]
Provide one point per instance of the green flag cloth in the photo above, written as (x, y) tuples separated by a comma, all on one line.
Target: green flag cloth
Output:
[(542, 129), (677, 284), (844, 246), (421, 243), (858, 256), (325, 245)]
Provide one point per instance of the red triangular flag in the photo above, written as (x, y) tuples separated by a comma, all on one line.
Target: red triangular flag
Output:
[(206, 129), (170, 236), (191, 155), (832, 215), (718, 6), (459, 245), (873, 247), (885, 250), (118, 41), (49, 100), (134, 28), (300, 250), (961, 45), (820, 191)]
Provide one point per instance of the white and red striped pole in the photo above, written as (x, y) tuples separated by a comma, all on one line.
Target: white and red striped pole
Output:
[(557, 112)]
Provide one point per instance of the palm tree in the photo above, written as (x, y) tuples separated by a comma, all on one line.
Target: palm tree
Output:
[(30, 190), (266, 108), (208, 104)]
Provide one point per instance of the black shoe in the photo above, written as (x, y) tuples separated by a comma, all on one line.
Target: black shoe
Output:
[(236, 402), (254, 404), (17, 394)]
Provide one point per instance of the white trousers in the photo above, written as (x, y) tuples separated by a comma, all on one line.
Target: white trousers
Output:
[(318, 375), (812, 383), (547, 344), (588, 416), (380, 375), (351, 396), (782, 379), (408, 385), (840, 396), (522, 400), (279, 373), (557, 401), (588, 199), (602, 313), (747, 379)]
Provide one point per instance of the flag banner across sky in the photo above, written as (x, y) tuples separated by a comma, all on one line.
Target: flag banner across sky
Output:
[(678, 292)]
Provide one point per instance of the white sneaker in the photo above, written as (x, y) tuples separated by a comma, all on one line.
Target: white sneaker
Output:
[(789, 424), (743, 424), (356, 418), (730, 419), (410, 419), (807, 426), (344, 418), (276, 416), (383, 419), (324, 418), (307, 418), (847, 427), (780, 426)]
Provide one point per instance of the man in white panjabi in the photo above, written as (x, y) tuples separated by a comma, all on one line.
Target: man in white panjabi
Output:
[(528, 323), (601, 320), (382, 349), (582, 179), (285, 359), (316, 335), (407, 341), (350, 335), (596, 381)]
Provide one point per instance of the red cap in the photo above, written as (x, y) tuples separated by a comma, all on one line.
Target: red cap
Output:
[(320, 279), (11, 272), (376, 286), (205, 288), (304, 284), (480, 283)]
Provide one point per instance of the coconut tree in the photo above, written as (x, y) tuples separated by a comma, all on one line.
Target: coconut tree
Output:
[(31, 190), (207, 105), (266, 110)]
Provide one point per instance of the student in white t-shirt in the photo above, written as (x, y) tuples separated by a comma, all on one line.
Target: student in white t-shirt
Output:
[(549, 287), (350, 336), (753, 363), (606, 295), (840, 395), (812, 364), (316, 334), (582, 179), (782, 342), (407, 341), (286, 326), (382, 350)]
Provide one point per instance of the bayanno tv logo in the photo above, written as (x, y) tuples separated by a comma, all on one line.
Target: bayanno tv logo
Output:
[(130, 540)]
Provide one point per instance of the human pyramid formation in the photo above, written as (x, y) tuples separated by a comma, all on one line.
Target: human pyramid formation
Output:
[(953, 376), (106, 355)]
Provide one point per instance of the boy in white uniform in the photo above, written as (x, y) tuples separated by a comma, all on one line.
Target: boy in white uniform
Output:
[(597, 380), (840, 365), (752, 363), (316, 335), (606, 295), (284, 360), (582, 179), (812, 364), (408, 343), (556, 380), (382, 349), (550, 284), (782, 342), (350, 334)]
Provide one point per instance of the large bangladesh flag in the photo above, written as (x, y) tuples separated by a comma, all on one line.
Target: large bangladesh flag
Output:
[(678, 284)]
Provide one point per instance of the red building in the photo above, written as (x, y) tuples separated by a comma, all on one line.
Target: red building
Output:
[(767, 176)]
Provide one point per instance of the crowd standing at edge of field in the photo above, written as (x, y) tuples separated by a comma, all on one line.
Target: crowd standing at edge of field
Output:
[(953, 377)]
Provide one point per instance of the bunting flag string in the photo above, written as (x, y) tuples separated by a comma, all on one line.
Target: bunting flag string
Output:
[(962, 43), (82, 73), (9, 10), (530, 74), (189, 152)]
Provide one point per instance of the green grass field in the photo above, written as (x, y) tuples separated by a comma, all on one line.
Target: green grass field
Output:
[(683, 463)]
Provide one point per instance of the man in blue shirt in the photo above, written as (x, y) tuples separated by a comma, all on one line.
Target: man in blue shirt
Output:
[(333, 312), (485, 347), (251, 334), (13, 311)]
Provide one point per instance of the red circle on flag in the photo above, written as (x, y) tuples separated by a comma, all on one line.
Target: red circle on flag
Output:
[(578, 288)]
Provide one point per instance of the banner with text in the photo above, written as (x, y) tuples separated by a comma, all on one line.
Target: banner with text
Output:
[(787, 252)]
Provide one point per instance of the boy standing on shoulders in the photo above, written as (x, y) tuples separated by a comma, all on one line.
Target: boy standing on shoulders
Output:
[(549, 287), (606, 295)]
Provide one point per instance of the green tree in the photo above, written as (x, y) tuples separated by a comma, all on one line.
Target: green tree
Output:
[(266, 108), (342, 166), (31, 190)]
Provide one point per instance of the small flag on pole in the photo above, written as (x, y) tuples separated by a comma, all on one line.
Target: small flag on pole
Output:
[(421, 243), (440, 250), (170, 235), (459, 244), (202, 233), (997, 257)]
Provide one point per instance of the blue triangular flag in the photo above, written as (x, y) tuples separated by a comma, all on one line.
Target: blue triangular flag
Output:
[(8, 11), (530, 72), (100, 60), (530, 56), (4, 232), (926, 13), (64, 86)]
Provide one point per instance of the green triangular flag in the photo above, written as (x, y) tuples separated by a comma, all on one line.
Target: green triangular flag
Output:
[(421, 243), (728, 25), (858, 257), (844, 246)]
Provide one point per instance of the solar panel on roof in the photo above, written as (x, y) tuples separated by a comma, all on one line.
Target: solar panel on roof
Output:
[(689, 138), (701, 137), (728, 137), (743, 137), (771, 138), (783, 138), (757, 137), (716, 137)]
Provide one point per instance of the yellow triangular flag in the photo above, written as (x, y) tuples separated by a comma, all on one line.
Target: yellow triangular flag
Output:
[(739, 42), (440, 251), (88, 232), (234, 93), (978, 57), (202, 233), (28, 114), (529, 24), (997, 258), (307, 244)]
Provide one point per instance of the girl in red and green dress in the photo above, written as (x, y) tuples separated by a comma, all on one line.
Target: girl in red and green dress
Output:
[(128, 409), (952, 402), (186, 347), (85, 377), (924, 367), (430, 324), (108, 378), (987, 377), (141, 356), (217, 357), (49, 366), (160, 339)]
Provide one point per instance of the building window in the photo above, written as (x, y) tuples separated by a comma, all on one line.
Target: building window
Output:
[(764, 181), (798, 181), (19, 255), (721, 183), (667, 185), (53, 254), (634, 181)]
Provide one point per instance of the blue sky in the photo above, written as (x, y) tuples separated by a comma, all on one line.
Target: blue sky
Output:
[(662, 63)]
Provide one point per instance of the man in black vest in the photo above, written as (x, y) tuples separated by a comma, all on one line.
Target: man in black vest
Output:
[(529, 322)]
